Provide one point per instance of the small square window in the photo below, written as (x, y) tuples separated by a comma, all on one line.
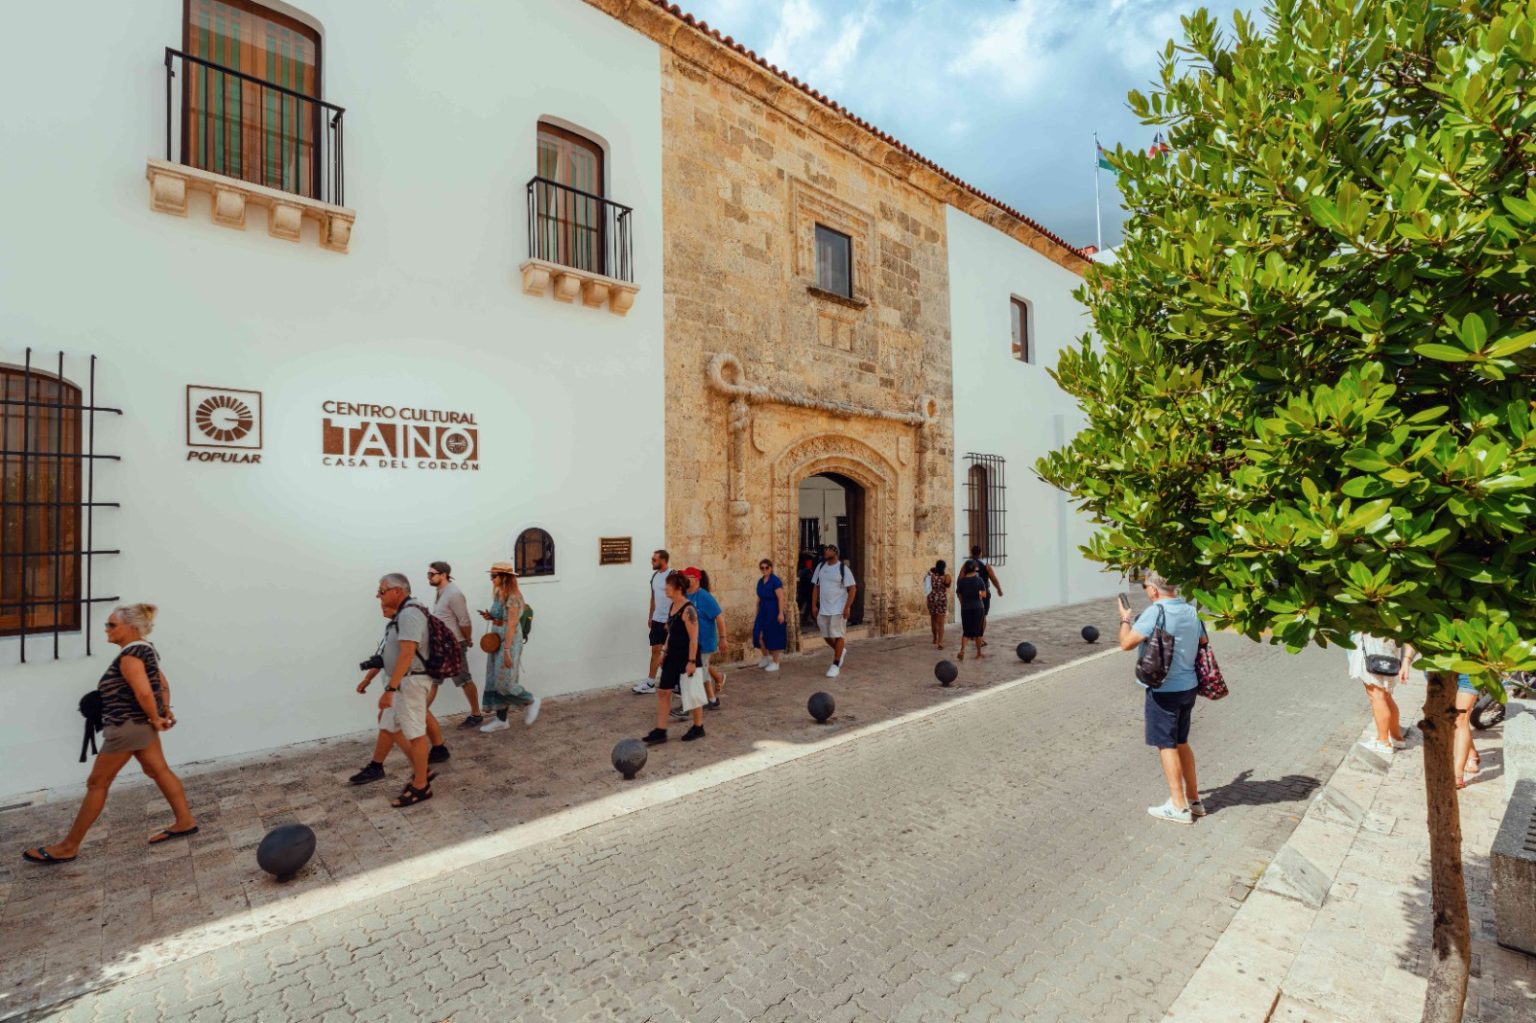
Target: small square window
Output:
[(834, 262), (1023, 350)]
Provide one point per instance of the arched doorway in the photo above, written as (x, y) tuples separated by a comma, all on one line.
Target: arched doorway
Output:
[(831, 510)]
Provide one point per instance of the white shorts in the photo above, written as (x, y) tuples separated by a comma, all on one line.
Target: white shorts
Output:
[(831, 626), (407, 713)]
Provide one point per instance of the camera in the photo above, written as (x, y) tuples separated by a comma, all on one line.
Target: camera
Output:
[(376, 661)]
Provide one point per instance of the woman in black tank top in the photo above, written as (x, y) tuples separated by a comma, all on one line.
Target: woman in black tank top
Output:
[(136, 708), (680, 656)]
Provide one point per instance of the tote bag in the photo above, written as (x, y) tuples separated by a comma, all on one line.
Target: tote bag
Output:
[(692, 690)]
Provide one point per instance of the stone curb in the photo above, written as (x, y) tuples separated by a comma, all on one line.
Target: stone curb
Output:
[(1239, 981), (255, 922)]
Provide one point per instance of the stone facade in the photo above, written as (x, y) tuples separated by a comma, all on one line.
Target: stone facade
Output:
[(770, 380)]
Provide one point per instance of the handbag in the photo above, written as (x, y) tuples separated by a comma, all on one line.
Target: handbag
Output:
[(1381, 664), (1209, 681), (1156, 656), (490, 642), (692, 691)]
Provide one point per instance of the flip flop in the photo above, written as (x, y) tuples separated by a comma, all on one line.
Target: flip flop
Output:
[(44, 857), (169, 834)]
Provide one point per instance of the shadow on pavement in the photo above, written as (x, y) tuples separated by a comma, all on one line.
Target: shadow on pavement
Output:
[(1244, 791)]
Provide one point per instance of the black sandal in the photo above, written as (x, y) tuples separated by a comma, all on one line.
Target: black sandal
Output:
[(430, 775), (46, 858), (167, 834), (411, 796)]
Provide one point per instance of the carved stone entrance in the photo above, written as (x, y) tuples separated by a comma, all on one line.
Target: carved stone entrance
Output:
[(863, 465)]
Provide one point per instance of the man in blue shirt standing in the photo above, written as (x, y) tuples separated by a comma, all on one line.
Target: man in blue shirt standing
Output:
[(1169, 707)]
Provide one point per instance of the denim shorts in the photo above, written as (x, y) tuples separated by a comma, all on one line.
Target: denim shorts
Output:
[(1464, 685), (1168, 717)]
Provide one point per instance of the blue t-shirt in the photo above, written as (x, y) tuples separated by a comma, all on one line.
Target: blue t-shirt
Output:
[(709, 610), (1183, 624)]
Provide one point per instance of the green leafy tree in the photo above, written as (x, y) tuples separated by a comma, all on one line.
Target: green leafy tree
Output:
[(1310, 397)]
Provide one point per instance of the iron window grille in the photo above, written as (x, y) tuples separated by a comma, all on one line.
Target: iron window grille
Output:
[(41, 524), (573, 228), (986, 513), (535, 553)]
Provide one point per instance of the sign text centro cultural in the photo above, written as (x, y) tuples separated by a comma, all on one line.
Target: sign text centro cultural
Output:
[(365, 436)]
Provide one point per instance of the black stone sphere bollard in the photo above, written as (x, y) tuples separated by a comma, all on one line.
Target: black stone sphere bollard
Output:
[(821, 706), (285, 850), (1090, 634), (946, 672), (629, 755), (1026, 652)]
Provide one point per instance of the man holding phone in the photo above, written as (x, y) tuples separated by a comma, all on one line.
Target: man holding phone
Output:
[(1168, 708)]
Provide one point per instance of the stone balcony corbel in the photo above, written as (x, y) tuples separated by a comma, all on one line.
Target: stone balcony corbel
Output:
[(170, 183), (566, 283)]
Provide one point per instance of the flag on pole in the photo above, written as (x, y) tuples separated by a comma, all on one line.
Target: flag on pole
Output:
[(1104, 159)]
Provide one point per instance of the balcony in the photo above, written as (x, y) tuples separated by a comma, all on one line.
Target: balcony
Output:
[(579, 245), (248, 142)]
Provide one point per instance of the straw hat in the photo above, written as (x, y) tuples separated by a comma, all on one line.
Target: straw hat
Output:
[(505, 567)]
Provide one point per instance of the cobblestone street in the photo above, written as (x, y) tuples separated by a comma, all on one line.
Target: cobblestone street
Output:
[(990, 862)]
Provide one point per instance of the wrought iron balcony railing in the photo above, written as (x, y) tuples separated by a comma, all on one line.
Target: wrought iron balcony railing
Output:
[(244, 127), (580, 230)]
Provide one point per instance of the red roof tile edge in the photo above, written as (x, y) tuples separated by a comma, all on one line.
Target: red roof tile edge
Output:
[(703, 27)]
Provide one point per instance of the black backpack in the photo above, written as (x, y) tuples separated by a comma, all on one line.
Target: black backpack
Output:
[(91, 708), (1156, 655)]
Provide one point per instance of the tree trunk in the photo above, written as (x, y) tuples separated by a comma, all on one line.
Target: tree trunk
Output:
[(1452, 937)]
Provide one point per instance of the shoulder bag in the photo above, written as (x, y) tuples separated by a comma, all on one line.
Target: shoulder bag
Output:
[(1210, 683), (1156, 655)]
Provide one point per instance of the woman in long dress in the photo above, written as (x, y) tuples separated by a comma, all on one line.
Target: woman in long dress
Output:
[(768, 633), (504, 665)]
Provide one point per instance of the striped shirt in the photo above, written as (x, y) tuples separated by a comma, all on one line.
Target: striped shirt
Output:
[(119, 705)]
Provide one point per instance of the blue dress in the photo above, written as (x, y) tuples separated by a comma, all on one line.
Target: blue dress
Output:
[(768, 633)]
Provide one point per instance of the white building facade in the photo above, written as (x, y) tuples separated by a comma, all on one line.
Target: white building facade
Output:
[(294, 298)]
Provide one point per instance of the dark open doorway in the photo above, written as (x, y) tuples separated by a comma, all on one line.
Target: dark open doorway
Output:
[(832, 512)]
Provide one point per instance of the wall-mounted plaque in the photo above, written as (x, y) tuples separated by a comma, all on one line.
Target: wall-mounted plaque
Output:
[(613, 550)]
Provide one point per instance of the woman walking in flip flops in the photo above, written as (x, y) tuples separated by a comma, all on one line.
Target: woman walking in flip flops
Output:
[(136, 708)]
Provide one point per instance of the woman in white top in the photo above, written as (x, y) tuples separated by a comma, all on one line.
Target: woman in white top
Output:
[(1390, 733)]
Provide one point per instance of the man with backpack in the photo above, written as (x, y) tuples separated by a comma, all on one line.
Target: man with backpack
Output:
[(832, 589), (416, 649)]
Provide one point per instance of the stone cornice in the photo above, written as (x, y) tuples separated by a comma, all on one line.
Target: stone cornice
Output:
[(733, 63), (726, 375)]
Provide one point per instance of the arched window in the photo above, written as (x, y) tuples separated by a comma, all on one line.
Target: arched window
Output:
[(1023, 345), (236, 126), (39, 503), (535, 553), (569, 204)]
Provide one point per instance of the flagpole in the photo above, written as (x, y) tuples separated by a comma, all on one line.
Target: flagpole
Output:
[(1098, 219)]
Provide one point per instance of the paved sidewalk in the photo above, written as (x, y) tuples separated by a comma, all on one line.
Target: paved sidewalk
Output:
[(990, 862), (125, 906), (1348, 940)]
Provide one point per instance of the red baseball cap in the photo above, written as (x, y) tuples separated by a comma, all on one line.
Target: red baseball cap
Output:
[(692, 573)]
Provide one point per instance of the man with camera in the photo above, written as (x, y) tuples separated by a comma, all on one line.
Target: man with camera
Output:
[(403, 714)]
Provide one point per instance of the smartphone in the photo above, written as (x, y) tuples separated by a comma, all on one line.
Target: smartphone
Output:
[(1125, 603)]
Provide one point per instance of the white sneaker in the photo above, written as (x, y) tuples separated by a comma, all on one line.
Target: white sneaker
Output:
[(1169, 812), (532, 714), (763, 662), (645, 687), (832, 670), (771, 666), (494, 725), (1196, 808), (1381, 749)]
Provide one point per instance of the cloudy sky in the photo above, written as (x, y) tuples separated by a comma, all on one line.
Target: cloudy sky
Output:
[(1007, 94)]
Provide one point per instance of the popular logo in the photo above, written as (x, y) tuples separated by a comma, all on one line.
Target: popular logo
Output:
[(357, 435), (225, 419)]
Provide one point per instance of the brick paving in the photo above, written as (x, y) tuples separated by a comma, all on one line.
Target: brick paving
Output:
[(990, 862)]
